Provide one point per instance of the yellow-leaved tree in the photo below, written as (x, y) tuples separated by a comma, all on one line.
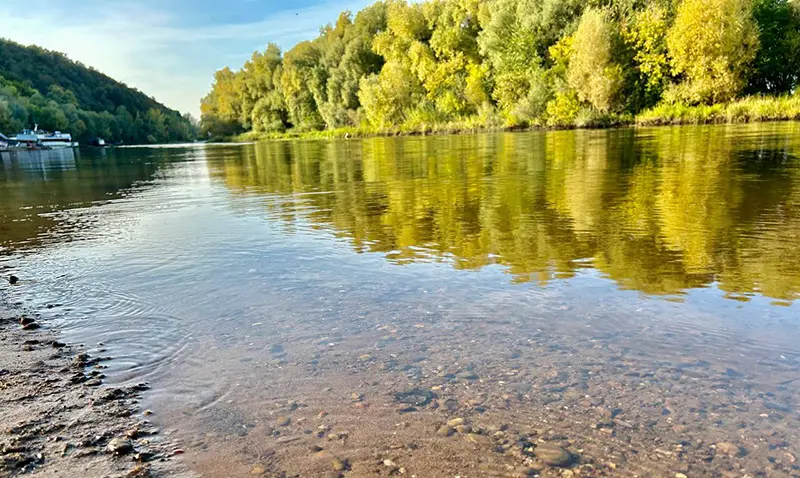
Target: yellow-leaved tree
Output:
[(711, 45), (592, 72)]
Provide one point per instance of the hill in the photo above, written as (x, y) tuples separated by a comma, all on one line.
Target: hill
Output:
[(43, 87)]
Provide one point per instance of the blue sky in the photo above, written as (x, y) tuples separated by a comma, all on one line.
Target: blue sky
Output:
[(168, 49)]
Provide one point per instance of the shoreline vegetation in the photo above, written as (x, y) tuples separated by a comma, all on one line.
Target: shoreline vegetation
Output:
[(745, 110), (458, 66)]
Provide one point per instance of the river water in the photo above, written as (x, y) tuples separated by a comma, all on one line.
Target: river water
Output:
[(628, 295)]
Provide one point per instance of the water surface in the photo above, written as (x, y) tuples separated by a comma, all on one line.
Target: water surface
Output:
[(629, 294)]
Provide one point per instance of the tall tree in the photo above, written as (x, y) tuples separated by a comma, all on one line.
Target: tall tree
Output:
[(712, 45)]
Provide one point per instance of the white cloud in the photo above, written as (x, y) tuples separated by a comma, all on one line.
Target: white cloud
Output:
[(149, 50)]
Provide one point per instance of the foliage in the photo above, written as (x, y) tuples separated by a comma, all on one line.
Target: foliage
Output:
[(712, 44), (42, 87), (445, 65), (777, 64), (592, 72)]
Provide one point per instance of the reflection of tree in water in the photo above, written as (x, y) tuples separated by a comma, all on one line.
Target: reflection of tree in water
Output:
[(35, 185), (657, 210)]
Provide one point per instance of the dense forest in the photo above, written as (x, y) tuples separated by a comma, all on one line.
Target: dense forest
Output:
[(43, 87), (468, 64)]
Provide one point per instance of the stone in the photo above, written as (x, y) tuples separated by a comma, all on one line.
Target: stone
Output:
[(138, 471), (416, 397), (30, 326), (680, 475), (26, 320), (728, 448), (12, 279), (455, 422), (258, 470), (466, 376), (445, 431), (339, 465), (283, 421), (464, 429), (119, 446), (552, 455)]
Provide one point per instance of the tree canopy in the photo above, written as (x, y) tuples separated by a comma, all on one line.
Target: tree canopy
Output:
[(408, 65), (43, 87)]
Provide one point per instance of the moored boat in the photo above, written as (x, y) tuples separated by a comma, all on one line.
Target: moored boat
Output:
[(56, 140), (38, 139)]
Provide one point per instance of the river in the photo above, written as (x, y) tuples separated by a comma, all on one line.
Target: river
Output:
[(628, 295)]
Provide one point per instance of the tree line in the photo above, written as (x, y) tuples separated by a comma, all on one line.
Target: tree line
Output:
[(397, 65), (43, 87)]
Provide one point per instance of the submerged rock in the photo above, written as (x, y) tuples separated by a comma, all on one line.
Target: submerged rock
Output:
[(13, 279), (417, 397), (553, 455), (728, 448)]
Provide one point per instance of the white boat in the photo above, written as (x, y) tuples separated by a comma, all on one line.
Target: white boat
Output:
[(27, 139), (36, 138), (56, 140)]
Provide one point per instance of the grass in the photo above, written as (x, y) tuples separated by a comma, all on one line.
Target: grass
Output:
[(744, 110)]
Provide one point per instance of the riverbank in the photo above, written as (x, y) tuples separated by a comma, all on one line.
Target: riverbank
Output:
[(60, 420), (749, 109)]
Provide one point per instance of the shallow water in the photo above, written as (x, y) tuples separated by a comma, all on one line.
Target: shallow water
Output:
[(628, 294)]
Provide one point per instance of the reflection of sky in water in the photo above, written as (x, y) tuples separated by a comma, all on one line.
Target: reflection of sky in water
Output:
[(158, 249)]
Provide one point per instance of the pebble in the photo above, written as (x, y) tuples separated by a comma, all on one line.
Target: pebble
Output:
[(680, 475), (13, 279), (455, 422), (464, 429), (284, 421), (552, 455), (728, 448), (258, 470), (119, 446), (30, 326), (285, 440), (339, 465), (466, 376), (445, 431)]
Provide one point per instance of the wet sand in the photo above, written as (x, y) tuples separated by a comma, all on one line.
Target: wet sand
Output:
[(58, 419), (443, 398)]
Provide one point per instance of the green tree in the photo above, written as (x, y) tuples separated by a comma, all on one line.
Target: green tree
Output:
[(712, 45), (777, 65), (592, 72)]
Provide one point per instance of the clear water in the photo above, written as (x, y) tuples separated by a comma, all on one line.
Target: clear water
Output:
[(632, 268)]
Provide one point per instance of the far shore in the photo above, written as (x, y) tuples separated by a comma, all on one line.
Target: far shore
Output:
[(746, 110)]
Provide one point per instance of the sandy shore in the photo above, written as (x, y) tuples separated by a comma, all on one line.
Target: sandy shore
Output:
[(57, 418)]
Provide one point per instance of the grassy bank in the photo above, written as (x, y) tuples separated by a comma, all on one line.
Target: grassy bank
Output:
[(745, 110)]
